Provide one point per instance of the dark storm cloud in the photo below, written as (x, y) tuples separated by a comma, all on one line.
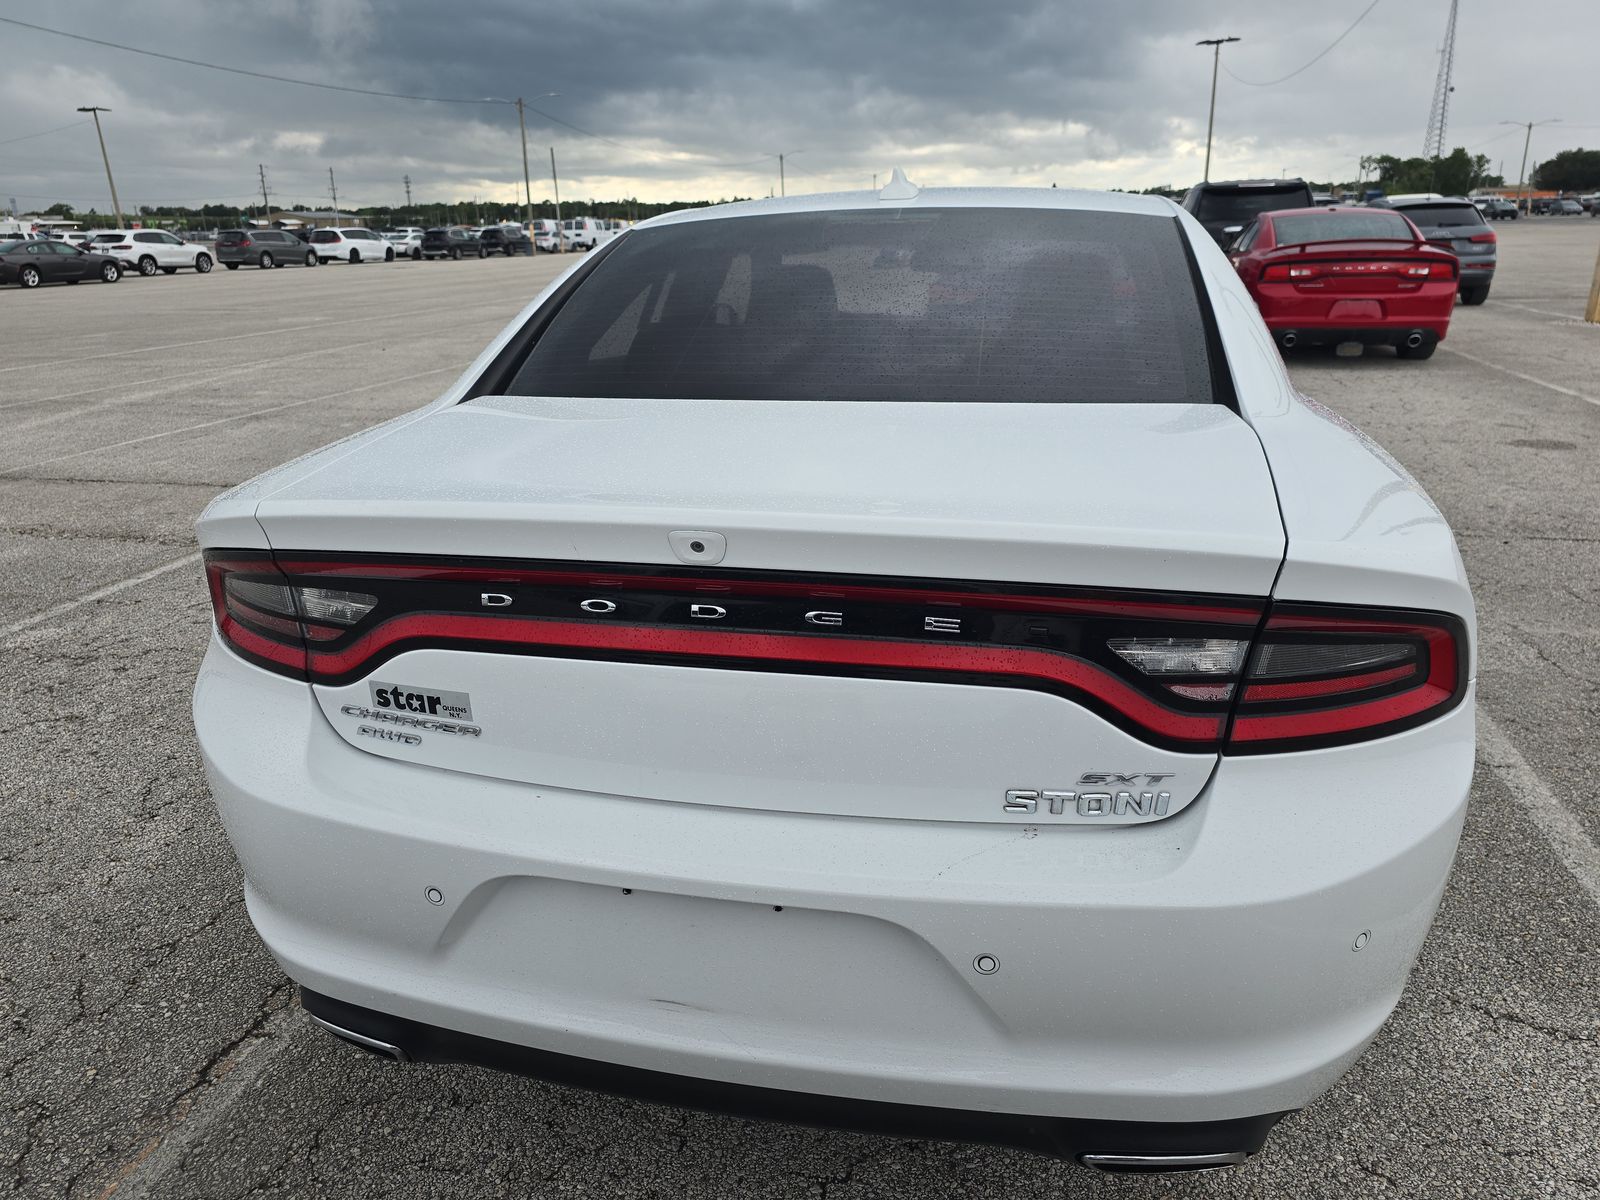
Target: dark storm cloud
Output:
[(692, 96)]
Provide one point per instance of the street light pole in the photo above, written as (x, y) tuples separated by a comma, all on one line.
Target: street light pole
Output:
[(1216, 45), (1522, 174), (95, 110)]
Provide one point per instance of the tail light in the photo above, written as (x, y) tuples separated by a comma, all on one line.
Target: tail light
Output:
[(1172, 670), (1283, 273), (1321, 675), (1488, 235)]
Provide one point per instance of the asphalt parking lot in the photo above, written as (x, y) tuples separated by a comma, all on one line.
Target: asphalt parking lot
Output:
[(153, 1049)]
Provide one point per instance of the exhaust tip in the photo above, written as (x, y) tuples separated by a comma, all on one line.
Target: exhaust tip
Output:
[(372, 1045), (1161, 1164), (1413, 339), (1289, 339)]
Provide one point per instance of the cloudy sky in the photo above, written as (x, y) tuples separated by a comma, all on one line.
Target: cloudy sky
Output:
[(694, 98)]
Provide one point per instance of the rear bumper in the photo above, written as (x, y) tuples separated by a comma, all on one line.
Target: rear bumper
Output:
[(1200, 969), (416, 1041)]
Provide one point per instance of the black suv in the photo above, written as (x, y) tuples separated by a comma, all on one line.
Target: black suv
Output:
[(1225, 207), (454, 242), (505, 239)]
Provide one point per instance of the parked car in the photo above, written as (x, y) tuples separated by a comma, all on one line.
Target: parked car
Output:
[(585, 233), (868, 782), (1327, 276), (1453, 222), (150, 251), (30, 262), (407, 243), (1496, 209), (1565, 208), (350, 244), (264, 248), (1322, 198), (1225, 207), (545, 233), (505, 239), (451, 242)]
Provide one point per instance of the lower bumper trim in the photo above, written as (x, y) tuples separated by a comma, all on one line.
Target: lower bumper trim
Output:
[(1140, 1146)]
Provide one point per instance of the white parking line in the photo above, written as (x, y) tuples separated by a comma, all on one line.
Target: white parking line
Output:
[(94, 597), (1564, 832), (512, 307), (168, 387), (244, 416), (1544, 383), (1575, 318)]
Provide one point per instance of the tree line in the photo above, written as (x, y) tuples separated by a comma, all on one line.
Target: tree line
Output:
[(460, 212)]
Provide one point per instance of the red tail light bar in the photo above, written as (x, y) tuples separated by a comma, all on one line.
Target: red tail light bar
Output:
[(1176, 671), (1405, 269)]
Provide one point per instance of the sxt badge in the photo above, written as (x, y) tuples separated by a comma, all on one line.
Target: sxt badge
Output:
[(405, 698)]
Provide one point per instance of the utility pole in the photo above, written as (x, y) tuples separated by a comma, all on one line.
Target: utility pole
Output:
[(266, 205), (333, 188), (1216, 45), (527, 180), (1522, 174), (95, 110), (780, 157), (556, 184)]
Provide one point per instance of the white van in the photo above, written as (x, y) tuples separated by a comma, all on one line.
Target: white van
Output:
[(585, 233)]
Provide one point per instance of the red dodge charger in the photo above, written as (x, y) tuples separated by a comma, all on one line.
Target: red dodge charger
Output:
[(1325, 276)]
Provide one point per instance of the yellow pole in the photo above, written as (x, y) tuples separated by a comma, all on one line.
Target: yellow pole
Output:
[(1591, 314)]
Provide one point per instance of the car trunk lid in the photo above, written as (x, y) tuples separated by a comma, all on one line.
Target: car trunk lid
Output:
[(838, 543)]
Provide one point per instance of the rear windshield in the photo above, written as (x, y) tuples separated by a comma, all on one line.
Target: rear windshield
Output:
[(1231, 204), (324, 235), (1341, 227), (961, 304), (229, 236), (1443, 215)]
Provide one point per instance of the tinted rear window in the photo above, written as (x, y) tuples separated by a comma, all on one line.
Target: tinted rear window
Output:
[(1435, 216), (324, 235), (1233, 205), (1321, 227), (230, 237), (961, 304)]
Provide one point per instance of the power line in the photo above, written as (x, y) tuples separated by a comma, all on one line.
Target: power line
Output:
[(43, 132), (1320, 56)]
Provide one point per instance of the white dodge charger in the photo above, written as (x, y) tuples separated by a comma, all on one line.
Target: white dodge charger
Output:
[(905, 660)]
